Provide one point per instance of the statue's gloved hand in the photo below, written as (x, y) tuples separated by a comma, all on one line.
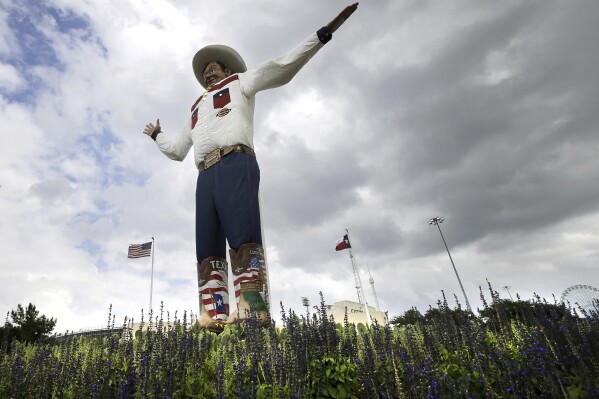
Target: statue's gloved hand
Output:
[(340, 19), (151, 129)]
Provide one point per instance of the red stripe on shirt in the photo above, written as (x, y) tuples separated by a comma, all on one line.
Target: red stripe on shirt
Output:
[(216, 87), (224, 82)]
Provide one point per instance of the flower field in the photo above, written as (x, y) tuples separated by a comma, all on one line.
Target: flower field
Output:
[(536, 355)]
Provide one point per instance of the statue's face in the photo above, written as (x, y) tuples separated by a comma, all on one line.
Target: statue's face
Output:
[(214, 73)]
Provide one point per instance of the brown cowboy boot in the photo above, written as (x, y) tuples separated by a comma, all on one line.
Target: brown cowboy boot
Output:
[(213, 293), (250, 281)]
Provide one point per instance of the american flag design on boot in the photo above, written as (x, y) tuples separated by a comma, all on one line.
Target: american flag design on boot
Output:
[(213, 289), (251, 273)]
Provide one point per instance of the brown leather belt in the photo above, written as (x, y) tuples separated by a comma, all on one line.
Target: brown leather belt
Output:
[(214, 157)]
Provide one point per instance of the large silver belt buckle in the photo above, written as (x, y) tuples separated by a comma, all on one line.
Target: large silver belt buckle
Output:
[(212, 158)]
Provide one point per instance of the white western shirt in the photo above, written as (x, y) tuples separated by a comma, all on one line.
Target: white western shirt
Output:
[(225, 115)]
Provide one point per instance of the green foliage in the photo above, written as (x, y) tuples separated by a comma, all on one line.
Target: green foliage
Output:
[(458, 367), (445, 353), (451, 364), (411, 316), (334, 378), (458, 316), (27, 325), (502, 311), (268, 391)]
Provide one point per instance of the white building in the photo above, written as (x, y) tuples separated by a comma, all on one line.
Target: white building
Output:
[(355, 313)]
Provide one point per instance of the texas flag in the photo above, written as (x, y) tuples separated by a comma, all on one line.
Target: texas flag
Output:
[(221, 98), (219, 303), (343, 243)]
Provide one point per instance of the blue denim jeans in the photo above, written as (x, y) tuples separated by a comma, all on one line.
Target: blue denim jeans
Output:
[(227, 205)]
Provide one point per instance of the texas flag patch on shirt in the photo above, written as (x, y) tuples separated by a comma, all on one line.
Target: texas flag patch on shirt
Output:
[(221, 98)]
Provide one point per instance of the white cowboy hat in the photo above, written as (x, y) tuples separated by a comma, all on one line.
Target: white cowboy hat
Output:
[(216, 52)]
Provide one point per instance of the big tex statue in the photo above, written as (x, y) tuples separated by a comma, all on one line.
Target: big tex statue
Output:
[(220, 129)]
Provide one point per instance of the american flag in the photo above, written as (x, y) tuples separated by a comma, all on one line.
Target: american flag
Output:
[(252, 273), (140, 250)]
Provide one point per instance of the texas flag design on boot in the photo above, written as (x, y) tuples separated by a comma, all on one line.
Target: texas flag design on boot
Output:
[(219, 303), (213, 289)]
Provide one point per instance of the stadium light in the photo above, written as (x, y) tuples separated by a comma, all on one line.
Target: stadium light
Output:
[(437, 221)]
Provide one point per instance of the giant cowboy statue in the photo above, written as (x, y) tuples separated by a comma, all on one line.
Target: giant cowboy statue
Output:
[(220, 129)]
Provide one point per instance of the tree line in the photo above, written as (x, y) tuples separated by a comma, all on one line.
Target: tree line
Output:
[(501, 310), (26, 325)]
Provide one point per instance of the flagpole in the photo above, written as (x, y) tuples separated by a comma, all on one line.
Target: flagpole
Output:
[(361, 288), (269, 297), (360, 300), (152, 277)]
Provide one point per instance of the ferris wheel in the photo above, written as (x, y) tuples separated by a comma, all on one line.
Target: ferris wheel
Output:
[(583, 297)]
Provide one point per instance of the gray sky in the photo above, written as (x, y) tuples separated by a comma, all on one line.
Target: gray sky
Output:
[(484, 113)]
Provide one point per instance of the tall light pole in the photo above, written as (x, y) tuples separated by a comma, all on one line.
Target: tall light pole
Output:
[(437, 221), (306, 303)]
